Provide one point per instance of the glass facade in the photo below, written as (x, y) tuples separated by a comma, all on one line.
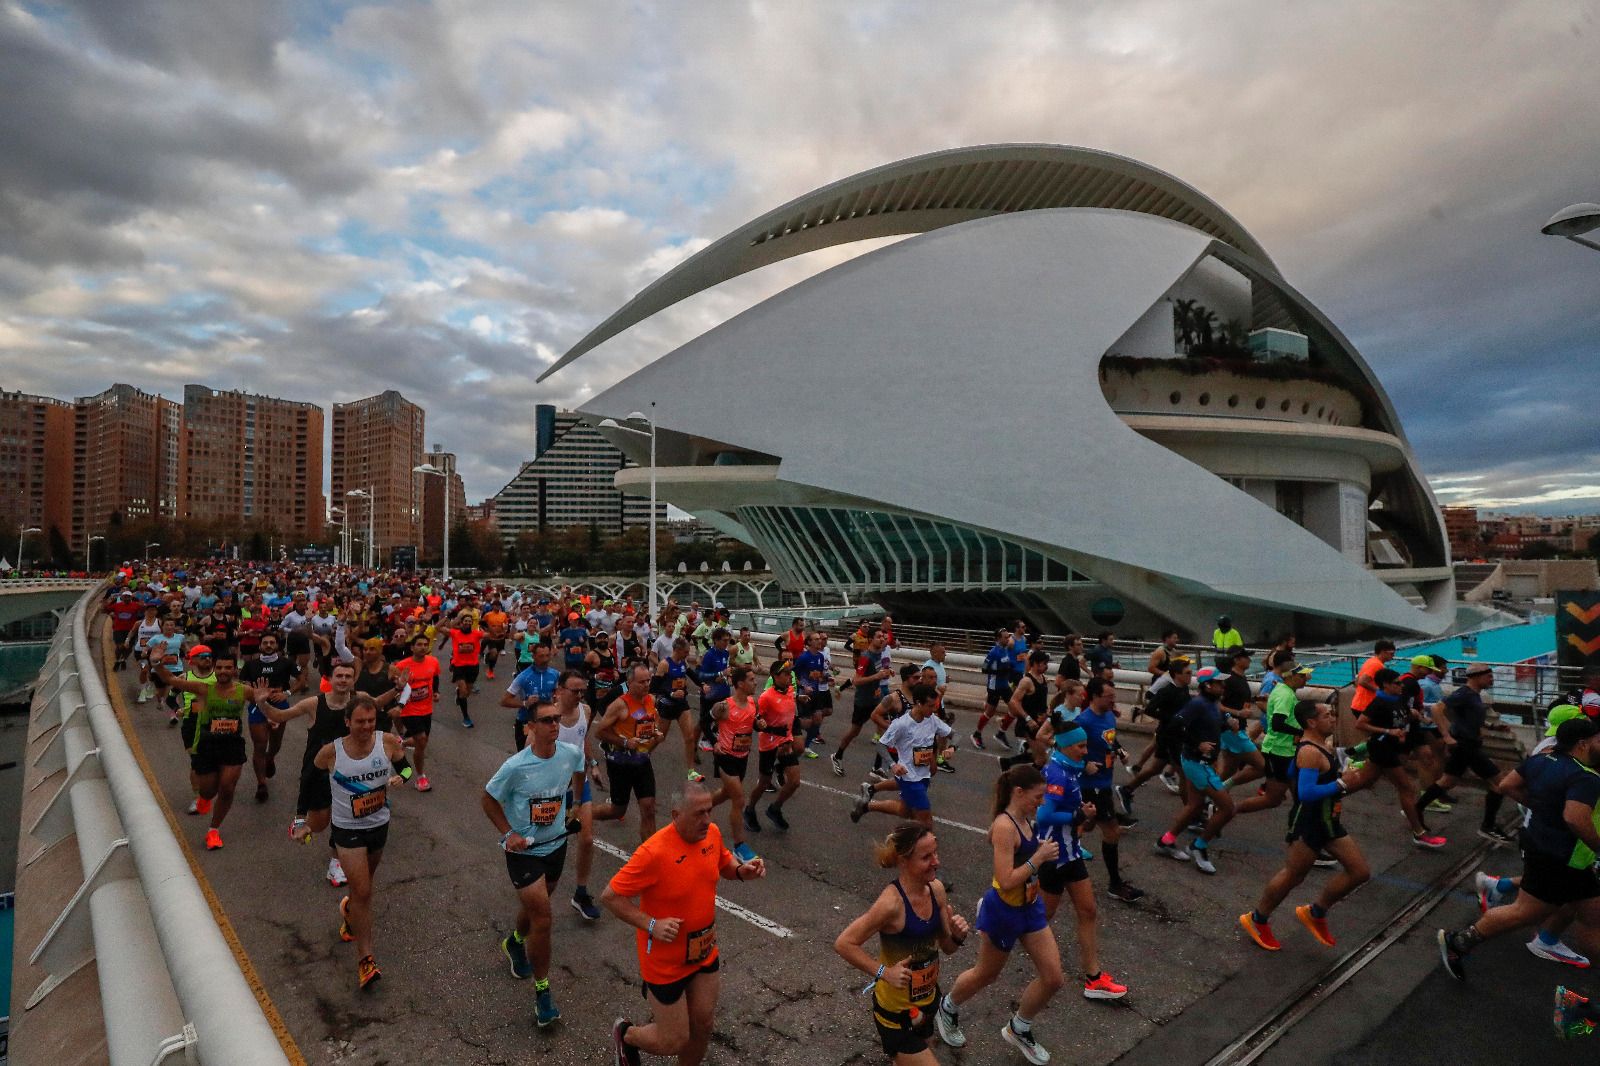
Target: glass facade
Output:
[(861, 551)]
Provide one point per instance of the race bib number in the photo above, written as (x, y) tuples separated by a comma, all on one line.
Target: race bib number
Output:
[(924, 979), (544, 811), (1030, 890), (740, 742), (224, 727), (922, 756), (699, 945), (368, 803), (679, 686)]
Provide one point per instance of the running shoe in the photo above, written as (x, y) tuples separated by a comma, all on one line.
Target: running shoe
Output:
[(1170, 781), (300, 830), (1454, 961), (1203, 861), (944, 767), (1557, 952), (863, 801), (744, 852), (1428, 840), (1488, 886), (1173, 850), (775, 816), (625, 1055), (977, 742), (1122, 801), (583, 903), (1568, 1019), (837, 762), (144, 695), (1025, 1043), (261, 792), (696, 775), (367, 971), (194, 806), (1085, 854), (1439, 806), (1496, 836), (1103, 987), (491, 675), (949, 1026), (1125, 892), (1001, 739), (1318, 926), (423, 784), (1356, 765), (172, 719), (516, 953), (1324, 860), (705, 745), (344, 921), (545, 1011), (1260, 932), (811, 753), (878, 774), (213, 840), (466, 723), (336, 875), (750, 821)]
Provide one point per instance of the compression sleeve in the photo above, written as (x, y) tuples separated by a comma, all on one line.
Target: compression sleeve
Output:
[(1310, 790), (1050, 816)]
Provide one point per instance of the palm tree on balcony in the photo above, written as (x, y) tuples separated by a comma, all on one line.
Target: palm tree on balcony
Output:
[(1183, 323), (1204, 324)]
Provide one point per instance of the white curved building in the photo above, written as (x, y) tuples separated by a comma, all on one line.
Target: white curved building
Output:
[(1083, 393)]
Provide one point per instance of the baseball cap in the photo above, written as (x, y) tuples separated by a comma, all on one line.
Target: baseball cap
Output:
[(1422, 662), (1221, 618), (199, 650), (1566, 712), (1206, 673), (1477, 669), (1285, 669)]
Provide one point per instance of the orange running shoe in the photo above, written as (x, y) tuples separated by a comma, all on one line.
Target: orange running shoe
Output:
[(367, 971), (213, 840), (1318, 926), (202, 805), (1103, 987), (344, 920), (1260, 932)]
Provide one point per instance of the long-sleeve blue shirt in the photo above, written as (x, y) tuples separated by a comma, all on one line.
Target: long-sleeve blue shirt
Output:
[(1061, 812)]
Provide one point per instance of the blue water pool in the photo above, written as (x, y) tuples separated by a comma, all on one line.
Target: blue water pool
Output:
[(1504, 644)]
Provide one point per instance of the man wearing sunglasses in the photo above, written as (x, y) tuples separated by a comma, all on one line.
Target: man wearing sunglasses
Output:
[(527, 800)]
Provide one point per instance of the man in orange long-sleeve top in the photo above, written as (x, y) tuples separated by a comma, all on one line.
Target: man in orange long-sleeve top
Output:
[(673, 877)]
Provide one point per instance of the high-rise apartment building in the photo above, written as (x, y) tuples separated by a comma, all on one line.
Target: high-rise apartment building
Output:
[(376, 444), (35, 470), (433, 506), (253, 460), (571, 482), (127, 461)]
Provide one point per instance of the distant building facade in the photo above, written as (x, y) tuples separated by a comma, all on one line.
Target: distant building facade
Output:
[(129, 461), (253, 460), (35, 467), (570, 483), (434, 511), (376, 444)]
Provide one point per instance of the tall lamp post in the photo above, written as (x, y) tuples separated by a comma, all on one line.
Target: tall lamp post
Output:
[(1573, 222), (336, 516), (370, 497), (429, 468), (640, 416), (23, 531), (90, 553)]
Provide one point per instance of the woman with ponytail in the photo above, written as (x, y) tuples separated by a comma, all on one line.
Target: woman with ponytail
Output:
[(913, 922), (1009, 913)]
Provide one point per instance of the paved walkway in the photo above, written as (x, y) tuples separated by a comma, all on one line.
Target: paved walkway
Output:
[(444, 902)]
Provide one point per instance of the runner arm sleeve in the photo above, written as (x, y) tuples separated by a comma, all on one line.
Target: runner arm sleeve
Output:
[(1310, 790), (1051, 816)]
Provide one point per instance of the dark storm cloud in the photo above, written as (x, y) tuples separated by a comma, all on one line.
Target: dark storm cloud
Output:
[(229, 40)]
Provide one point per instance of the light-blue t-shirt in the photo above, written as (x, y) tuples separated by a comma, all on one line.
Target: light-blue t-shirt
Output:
[(533, 682), (533, 794)]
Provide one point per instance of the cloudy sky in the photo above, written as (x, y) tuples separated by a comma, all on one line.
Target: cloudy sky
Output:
[(324, 200)]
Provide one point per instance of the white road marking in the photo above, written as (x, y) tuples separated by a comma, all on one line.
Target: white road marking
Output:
[(941, 821), (766, 925)]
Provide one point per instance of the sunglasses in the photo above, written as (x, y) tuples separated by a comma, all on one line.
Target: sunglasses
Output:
[(548, 719)]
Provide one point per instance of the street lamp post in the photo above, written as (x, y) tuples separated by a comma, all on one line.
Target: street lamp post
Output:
[(370, 497), (429, 468), (1573, 222), (640, 416), (23, 531)]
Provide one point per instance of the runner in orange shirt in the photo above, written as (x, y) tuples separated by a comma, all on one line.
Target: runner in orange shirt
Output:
[(496, 627), (1366, 683), (673, 876), (420, 676), (466, 649)]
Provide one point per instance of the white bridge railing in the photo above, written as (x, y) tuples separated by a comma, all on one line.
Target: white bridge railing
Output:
[(170, 987)]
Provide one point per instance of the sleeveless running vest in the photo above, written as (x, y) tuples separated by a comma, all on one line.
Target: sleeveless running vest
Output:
[(917, 943), (735, 731), (357, 786), (1035, 703), (220, 716), (1324, 811), (1028, 891), (639, 723)]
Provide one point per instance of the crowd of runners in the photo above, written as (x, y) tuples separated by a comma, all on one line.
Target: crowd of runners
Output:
[(232, 654)]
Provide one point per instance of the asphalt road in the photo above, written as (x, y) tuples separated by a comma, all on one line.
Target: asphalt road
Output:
[(444, 902)]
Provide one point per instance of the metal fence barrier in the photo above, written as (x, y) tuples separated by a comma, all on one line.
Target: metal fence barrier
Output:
[(169, 984)]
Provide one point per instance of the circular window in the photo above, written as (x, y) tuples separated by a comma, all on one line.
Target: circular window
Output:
[(1261, 403), (1305, 408), (1284, 406), (1320, 411), (1233, 401), (1107, 611), (1177, 397), (1205, 398)]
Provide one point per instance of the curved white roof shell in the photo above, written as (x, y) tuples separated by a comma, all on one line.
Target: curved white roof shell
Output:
[(925, 193)]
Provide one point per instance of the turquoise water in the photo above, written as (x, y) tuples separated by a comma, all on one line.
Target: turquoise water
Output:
[(1506, 644), (20, 663), (8, 919)]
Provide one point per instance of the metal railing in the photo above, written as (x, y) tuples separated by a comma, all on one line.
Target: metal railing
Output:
[(169, 984)]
